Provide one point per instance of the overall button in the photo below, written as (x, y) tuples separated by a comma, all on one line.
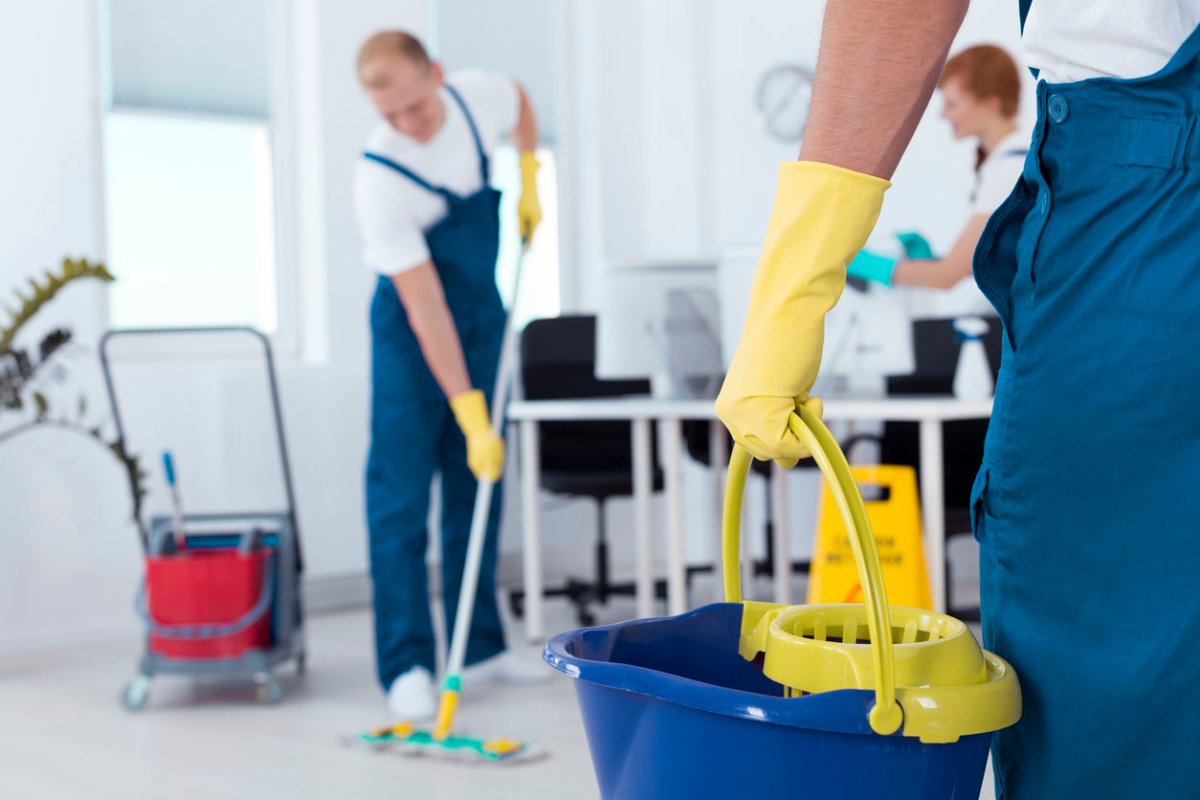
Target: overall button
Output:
[(1057, 106)]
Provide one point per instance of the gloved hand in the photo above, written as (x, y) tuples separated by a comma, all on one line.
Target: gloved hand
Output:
[(915, 245), (822, 216), (870, 266), (485, 450), (529, 210)]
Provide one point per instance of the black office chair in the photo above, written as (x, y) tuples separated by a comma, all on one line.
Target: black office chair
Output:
[(935, 351), (591, 459)]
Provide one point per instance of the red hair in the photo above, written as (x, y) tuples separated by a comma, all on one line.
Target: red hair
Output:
[(987, 71)]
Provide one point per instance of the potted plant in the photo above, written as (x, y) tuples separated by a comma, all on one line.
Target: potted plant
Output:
[(25, 372)]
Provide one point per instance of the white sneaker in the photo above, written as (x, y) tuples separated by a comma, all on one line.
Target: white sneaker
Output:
[(507, 667), (411, 696)]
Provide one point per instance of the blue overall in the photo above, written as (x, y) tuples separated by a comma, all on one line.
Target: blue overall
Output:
[(414, 435), (1087, 507)]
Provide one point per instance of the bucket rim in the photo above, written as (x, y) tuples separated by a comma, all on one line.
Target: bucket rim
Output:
[(838, 711)]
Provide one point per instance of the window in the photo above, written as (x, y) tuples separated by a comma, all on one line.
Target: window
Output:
[(188, 157)]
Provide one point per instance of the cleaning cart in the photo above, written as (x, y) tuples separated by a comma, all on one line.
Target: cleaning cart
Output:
[(748, 699), (222, 593)]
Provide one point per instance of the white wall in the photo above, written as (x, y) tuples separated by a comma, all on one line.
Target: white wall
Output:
[(673, 159), (65, 546)]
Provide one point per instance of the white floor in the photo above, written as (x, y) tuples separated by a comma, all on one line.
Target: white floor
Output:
[(64, 735)]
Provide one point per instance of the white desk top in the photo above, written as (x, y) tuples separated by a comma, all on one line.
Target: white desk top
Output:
[(897, 409)]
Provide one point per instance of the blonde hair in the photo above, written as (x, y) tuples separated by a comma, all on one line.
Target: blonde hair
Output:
[(389, 43)]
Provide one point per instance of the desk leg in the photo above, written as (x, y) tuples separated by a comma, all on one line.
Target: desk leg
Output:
[(782, 568), (643, 520), (718, 457), (934, 506), (676, 558), (535, 624)]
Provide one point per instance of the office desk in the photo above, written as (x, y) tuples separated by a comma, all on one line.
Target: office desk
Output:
[(928, 412)]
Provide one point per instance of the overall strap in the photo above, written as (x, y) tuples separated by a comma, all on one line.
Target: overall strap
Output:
[(483, 159), (1023, 8), (448, 195)]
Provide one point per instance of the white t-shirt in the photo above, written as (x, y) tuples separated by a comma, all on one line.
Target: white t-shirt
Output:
[(994, 181), (393, 212), (998, 173), (1071, 40)]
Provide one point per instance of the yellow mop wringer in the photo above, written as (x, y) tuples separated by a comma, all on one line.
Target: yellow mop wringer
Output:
[(442, 741), (932, 680)]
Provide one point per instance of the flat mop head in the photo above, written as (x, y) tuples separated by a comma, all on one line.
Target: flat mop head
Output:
[(408, 739)]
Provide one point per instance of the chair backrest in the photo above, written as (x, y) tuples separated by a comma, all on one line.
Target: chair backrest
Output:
[(935, 352), (558, 361)]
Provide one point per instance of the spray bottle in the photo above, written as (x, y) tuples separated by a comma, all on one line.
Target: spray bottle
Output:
[(973, 376)]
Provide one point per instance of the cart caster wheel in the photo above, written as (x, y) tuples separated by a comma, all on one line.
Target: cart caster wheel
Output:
[(269, 691), (136, 693), (586, 619), (516, 604)]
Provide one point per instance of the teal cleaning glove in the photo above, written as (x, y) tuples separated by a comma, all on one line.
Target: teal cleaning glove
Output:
[(915, 245), (868, 266)]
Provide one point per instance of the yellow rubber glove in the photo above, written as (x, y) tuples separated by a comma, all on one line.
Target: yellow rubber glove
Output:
[(822, 217), (529, 210), (485, 450)]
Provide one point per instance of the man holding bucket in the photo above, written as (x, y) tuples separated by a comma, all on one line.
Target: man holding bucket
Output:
[(1085, 507)]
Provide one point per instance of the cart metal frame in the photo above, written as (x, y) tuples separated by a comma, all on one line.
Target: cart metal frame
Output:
[(278, 529)]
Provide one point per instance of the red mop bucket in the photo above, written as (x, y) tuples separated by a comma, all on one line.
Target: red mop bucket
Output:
[(209, 603)]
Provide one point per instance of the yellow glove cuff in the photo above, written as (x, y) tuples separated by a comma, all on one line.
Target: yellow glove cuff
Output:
[(471, 413)]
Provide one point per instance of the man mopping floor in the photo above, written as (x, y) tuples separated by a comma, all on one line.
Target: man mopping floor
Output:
[(431, 229)]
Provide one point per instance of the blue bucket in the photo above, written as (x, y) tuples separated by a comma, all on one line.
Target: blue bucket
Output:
[(673, 712)]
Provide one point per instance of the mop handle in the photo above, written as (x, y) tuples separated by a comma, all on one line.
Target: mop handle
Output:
[(808, 427), (479, 515), (176, 503)]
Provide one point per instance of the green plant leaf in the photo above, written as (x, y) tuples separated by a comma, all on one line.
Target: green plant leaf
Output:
[(70, 270)]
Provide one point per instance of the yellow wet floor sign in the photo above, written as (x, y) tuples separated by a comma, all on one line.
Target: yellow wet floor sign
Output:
[(896, 522)]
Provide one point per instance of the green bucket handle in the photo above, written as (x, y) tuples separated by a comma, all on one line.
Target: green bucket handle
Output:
[(886, 715)]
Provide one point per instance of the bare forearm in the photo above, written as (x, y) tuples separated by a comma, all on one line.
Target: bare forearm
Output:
[(525, 134), (930, 273), (421, 293), (879, 63)]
